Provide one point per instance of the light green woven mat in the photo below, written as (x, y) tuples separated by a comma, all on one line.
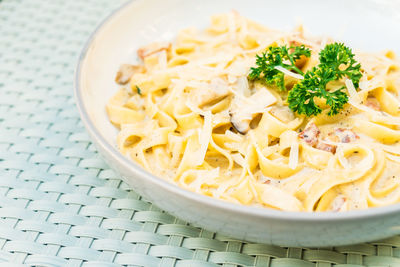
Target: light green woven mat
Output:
[(60, 205)]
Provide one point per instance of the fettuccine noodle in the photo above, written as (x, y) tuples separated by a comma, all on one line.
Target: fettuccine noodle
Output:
[(191, 116)]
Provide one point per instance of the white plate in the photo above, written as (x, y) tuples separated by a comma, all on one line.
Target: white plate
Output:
[(366, 25)]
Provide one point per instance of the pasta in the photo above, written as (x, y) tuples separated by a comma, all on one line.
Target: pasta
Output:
[(190, 115)]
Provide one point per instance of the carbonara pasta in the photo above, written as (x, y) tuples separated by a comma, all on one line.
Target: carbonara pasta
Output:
[(190, 115)]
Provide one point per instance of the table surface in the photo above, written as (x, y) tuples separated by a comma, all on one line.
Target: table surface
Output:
[(60, 204)]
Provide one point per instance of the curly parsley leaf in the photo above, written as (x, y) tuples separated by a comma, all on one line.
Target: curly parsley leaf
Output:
[(341, 59), (302, 97), (336, 61), (283, 56)]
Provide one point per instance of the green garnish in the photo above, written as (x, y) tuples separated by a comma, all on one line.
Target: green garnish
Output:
[(278, 56), (301, 97), (138, 90), (336, 61), (341, 59)]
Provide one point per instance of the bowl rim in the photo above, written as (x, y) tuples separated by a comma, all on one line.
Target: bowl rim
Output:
[(258, 212)]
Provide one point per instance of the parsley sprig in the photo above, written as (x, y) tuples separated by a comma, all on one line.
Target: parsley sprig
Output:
[(301, 98), (341, 59), (283, 56), (336, 61)]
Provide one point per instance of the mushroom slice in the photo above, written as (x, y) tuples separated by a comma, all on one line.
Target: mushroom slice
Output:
[(241, 121), (125, 73), (205, 93), (153, 48), (243, 109)]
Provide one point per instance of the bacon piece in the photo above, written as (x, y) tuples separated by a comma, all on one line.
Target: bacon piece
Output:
[(310, 134), (153, 48), (373, 103), (326, 147), (126, 71), (343, 135)]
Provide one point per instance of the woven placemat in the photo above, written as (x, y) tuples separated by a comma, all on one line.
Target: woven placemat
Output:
[(60, 204)]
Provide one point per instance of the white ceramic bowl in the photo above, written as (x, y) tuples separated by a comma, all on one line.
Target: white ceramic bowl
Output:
[(366, 25)]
